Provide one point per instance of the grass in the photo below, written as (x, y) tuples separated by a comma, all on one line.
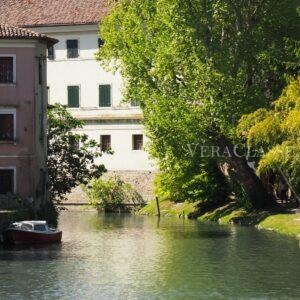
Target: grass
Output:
[(288, 224), (231, 213), (170, 209)]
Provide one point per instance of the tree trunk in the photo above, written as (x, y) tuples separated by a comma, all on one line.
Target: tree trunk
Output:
[(246, 176)]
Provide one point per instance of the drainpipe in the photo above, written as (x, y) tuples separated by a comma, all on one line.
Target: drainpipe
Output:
[(42, 69)]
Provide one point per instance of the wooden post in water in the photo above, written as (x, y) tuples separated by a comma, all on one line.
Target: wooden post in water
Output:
[(158, 208)]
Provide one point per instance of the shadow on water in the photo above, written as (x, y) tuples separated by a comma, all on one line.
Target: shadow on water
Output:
[(211, 234), (30, 252)]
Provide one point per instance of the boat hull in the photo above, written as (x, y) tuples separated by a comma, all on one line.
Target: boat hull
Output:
[(16, 237)]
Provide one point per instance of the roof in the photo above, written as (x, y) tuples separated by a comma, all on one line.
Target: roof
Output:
[(15, 33), (31, 13), (36, 222), (32, 222)]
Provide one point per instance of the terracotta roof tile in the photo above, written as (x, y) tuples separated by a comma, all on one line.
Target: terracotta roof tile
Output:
[(25, 13), (12, 33)]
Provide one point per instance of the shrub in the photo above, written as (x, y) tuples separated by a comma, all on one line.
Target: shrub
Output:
[(110, 194)]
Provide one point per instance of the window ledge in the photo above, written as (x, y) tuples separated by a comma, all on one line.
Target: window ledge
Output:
[(8, 142), (8, 84), (73, 108)]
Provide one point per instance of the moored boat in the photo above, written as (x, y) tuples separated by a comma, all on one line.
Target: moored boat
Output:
[(31, 232)]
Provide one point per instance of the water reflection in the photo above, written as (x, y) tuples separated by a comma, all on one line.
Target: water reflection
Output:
[(132, 257), (30, 253)]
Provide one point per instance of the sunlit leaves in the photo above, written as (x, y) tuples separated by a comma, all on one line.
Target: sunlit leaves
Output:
[(278, 131)]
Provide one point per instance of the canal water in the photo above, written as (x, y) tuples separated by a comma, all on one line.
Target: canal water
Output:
[(133, 257)]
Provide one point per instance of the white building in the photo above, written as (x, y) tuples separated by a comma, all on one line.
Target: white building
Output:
[(76, 79)]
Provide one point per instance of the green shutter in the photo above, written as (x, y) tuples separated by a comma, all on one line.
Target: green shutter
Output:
[(104, 96), (73, 96)]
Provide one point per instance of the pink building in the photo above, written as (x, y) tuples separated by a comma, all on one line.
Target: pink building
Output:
[(23, 104)]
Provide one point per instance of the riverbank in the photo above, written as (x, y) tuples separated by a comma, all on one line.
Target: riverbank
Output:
[(170, 209), (283, 223)]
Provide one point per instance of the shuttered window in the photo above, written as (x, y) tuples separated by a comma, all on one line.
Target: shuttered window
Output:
[(100, 43), (51, 52), (6, 181), (6, 69), (137, 142), (72, 48), (104, 96), (73, 96), (134, 103), (105, 142)]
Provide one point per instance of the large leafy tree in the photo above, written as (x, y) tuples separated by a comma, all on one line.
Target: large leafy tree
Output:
[(197, 66), (71, 156), (277, 132)]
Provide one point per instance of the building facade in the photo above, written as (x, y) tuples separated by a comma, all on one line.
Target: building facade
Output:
[(77, 80), (23, 105)]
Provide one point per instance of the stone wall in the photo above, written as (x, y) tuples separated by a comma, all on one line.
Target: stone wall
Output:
[(141, 181)]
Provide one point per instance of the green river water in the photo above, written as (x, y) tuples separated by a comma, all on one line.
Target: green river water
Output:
[(135, 257)]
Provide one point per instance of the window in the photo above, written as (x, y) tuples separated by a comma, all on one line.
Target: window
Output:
[(104, 96), (40, 72), (72, 48), (7, 125), (6, 181), (7, 69), (100, 43), (105, 142), (39, 227), (51, 52), (74, 142), (137, 142), (27, 227), (134, 103), (73, 96)]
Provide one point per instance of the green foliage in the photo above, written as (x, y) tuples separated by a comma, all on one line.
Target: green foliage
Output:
[(110, 194), (49, 212), (196, 67), (71, 156), (192, 183), (265, 133), (280, 132), (287, 224), (249, 120)]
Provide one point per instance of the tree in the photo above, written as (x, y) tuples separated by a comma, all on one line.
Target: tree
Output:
[(71, 156), (277, 133), (197, 66)]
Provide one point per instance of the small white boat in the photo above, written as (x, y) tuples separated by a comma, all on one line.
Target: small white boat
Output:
[(31, 232)]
